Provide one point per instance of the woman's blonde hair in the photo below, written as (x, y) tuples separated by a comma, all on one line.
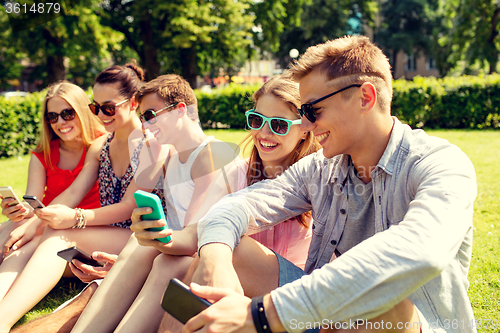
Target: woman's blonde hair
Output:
[(75, 96), (285, 89)]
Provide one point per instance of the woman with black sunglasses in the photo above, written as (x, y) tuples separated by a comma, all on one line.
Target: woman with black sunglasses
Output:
[(68, 128), (105, 229)]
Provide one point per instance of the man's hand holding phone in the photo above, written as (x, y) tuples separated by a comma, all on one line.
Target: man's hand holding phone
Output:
[(184, 242), (88, 273)]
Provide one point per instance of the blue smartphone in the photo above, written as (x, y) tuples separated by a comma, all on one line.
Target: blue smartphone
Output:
[(146, 199)]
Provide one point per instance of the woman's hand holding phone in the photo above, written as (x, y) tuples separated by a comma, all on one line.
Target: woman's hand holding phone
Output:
[(88, 273), (17, 212), (57, 216), (12, 207)]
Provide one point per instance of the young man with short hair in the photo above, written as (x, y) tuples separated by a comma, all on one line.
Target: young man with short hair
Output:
[(392, 210)]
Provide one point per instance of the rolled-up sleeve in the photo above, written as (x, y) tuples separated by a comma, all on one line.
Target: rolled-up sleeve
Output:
[(257, 207)]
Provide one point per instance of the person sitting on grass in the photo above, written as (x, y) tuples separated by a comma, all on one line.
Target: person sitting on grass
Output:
[(277, 99), (68, 129), (169, 112), (276, 143), (392, 211), (106, 228)]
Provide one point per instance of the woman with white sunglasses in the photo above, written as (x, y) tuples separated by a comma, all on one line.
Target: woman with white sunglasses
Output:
[(277, 143)]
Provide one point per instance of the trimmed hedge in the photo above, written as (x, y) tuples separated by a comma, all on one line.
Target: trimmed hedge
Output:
[(19, 124), (225, 107), (453, 102)]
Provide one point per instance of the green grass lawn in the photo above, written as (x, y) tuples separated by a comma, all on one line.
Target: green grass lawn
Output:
[(482, 147)]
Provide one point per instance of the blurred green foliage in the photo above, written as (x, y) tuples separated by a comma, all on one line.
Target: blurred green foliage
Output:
[(225, 107), (19, 124), (450, 102)]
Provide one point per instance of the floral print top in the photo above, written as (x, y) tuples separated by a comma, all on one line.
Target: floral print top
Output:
[(112, 188)]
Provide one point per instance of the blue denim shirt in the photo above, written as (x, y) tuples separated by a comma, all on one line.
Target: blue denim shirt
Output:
[(424, 189)]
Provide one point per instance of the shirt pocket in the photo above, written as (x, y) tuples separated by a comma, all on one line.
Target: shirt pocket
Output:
[(318, 229)]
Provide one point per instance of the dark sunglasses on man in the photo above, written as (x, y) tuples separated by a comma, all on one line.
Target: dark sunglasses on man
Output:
[(307, 109), (107, 109), (66, 114), (150, 115)]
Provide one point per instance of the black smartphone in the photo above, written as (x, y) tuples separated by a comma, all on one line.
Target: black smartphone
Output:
[(33, 201), (181, 303), (75, 253)]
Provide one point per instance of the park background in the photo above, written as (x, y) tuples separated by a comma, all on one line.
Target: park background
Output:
[(444, 55)]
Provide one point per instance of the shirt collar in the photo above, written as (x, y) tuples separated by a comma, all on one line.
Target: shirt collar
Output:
[(388, 160), (340, 164)]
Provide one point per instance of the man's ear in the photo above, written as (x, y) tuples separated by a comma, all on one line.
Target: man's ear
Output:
[(368, 96), (181, 109)]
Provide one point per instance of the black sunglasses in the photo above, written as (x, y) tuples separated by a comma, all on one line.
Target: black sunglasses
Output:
[(150, 114), (66, 114), (307, 109), (107, 109)]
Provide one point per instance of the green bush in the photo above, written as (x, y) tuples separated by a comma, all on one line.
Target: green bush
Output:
[(222, 108), (451, 102), (19, 124)]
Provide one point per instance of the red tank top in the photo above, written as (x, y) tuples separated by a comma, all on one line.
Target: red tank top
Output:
[(57, 180)]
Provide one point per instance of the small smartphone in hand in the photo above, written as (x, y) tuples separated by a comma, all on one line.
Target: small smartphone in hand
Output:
[(146, 199), (8, 192), (33, 201), (180, 302), (75, 253)]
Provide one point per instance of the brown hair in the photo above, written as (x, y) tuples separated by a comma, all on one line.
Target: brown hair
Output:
[(129, 78), (354, 59), (79, 101), (172, 89), (282, 87)]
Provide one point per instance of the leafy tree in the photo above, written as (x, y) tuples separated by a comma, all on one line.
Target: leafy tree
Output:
[(322, 20), (73, 40), (477, 30), (443, 45), (181, 35), (10, 57), (405, 27), (272, 18)]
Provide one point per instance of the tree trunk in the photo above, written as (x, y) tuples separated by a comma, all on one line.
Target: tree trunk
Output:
[(55, 69), (493, 52), (188, 65), (55, 57), (394, 62), (150, 56)]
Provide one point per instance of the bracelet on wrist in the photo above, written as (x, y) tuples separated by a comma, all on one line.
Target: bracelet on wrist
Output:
[(81, 219), (259, 315)]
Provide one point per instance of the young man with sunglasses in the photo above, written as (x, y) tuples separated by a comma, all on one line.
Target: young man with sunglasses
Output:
[(392, 210), (169, 114)]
